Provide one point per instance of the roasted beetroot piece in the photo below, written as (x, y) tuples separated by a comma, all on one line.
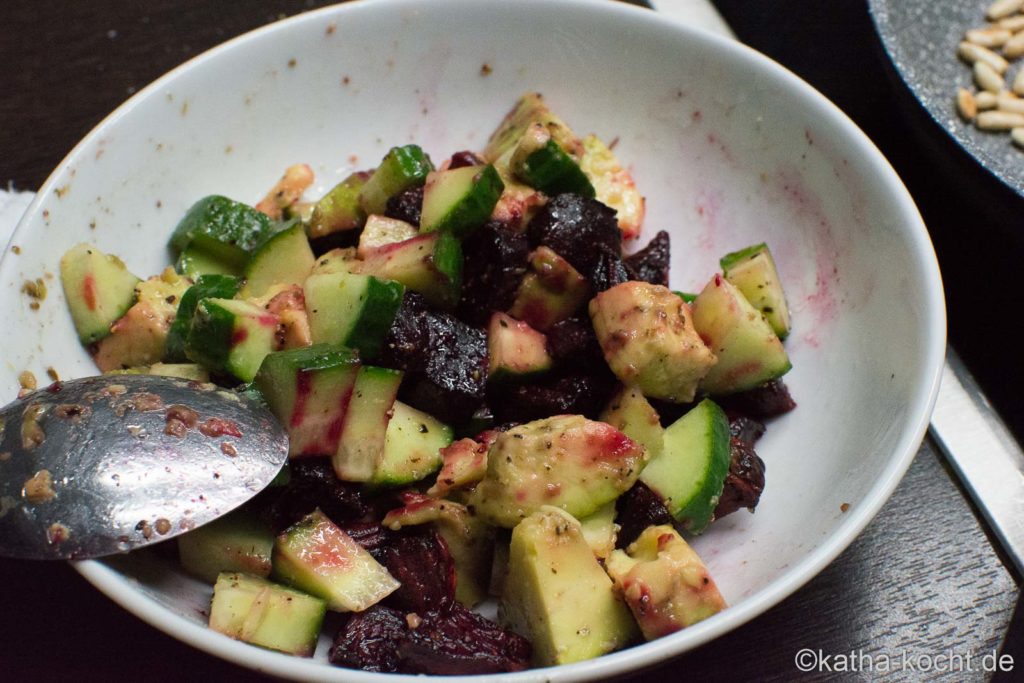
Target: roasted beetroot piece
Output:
[(745, 428), (650, 264), (465, 158), (422, 564), (495, 259), (453, 642), (406, 206), (453, 384), (768, 400), (608, 271), (575, 228), (313, 484), (408, 341), (461, 642), (372, 536), (745, 481), (637, 509), (572, 343), (335, 240), (576, 394), (369, 640)]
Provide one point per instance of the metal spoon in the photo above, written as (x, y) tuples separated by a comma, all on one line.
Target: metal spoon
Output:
[(104, 465)]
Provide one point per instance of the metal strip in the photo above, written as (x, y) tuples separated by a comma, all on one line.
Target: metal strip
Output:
[(984, 453)]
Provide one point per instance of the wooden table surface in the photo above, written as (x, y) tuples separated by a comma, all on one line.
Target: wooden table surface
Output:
[(921, 582)]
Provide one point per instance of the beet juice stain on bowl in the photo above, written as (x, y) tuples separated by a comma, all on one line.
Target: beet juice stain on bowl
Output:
[(736, 90)]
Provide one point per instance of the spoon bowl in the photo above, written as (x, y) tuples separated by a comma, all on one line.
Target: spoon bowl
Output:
[(104, 465)]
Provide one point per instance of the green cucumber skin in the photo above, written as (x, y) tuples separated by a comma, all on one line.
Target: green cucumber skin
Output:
[(699, 513), (228, 230), (732, 258), (209, 337), (193, 262), (206, 287), (704, 487), (375, 321), (339, 209), (448, 261), (685, 296), (401, 168), (315, 357), (473, 208), (552, 171)]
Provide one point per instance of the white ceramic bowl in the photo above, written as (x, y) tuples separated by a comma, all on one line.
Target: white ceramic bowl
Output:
[(729, 148)]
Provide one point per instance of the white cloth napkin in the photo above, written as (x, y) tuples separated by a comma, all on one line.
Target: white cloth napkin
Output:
[(697, 13)]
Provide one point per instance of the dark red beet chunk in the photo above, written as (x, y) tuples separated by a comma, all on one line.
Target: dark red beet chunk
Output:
[(374, 538), (576, 228), (495, 260), (406, 206), (608, 271), (768, 400), (650, 264), (453, 642), (369, 640), (745, 428), (462, 643), (576, 394), (744, 482), (313, 484), (422, 564), (444, 358), (637, 509), (572, 343), (465, 158)]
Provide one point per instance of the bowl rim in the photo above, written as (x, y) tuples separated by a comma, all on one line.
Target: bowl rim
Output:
[(128, 596)]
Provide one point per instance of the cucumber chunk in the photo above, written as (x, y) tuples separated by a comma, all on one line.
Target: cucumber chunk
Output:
[(402, 168), (752, 271), (339, 209), (318, 557), (351, 309), (430, 264), (193, 262), (514, 349), (364, 432), (205, 287), (412, 447), (380, 231), (690, 473), (99, 289), (285, 258), (256, 611), (237, 542), (460, 199), (231, 336), (748, 350), (228, 231), (309, 390), (543, 164)]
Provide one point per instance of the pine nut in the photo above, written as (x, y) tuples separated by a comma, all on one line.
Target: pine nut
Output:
[(985, 100), (1014, 47), (989, 37), (1003, 8), (1010, 102), (987, 78), (1018, 83), (973, 54), (966, 105), (999, 120), (1015, 23), (1017, 135)]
